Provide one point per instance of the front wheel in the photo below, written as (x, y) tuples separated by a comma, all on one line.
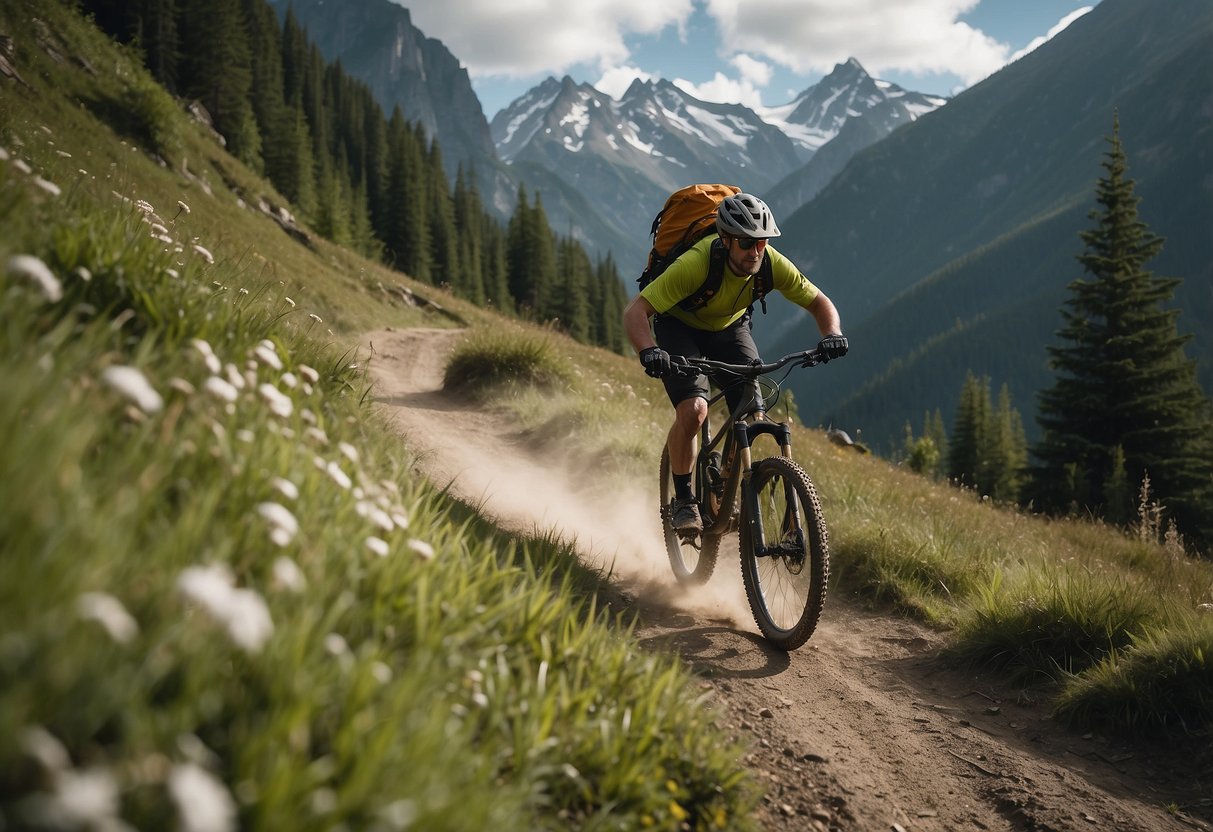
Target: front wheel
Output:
[(785, 552), (692, 557)]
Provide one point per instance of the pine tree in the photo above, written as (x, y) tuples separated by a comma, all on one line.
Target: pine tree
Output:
[(218, 71), (1124, 385), (1006, 451), (970, 433)]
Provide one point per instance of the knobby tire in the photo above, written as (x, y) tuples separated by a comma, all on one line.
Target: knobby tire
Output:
[(786, 592)]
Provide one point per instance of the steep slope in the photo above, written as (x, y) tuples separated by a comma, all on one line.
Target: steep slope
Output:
[(969, 216), (376, 42)]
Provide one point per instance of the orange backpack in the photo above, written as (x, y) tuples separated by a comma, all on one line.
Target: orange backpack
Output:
[(689, 215)]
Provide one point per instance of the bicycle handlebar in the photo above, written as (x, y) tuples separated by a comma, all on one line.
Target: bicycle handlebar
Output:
[(706, 366)]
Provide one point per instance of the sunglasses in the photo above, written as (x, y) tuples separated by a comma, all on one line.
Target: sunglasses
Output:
[(747, 243)]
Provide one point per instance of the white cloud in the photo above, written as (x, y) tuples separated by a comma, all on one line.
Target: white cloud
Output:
[(616, 80), (1052, 33), (916, 36), (525, 37)]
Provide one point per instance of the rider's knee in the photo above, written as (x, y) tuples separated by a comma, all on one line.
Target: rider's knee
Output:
[(693, 410)]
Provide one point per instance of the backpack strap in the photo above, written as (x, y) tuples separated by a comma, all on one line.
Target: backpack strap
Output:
[(763, 281)]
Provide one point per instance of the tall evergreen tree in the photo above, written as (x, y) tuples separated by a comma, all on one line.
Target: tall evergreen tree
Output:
[(570, 301), (218, 71), (970, 432), (1125, 394)]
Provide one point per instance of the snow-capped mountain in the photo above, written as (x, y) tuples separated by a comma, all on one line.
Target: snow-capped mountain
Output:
[(626, 155), (848, 93), (655, 130)]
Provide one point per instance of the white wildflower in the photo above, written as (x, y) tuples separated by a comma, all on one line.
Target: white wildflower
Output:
[(381, 672), (280, 403), (131, 382), (83, 274), (246, 436), (308, 373), (308, 416), (50, 187), (315, 317), (181, 206), (283, 525), (290, 381), (285, 487), (108, 611), (173, 273), (316, 434), (242, 611), (212, 361), (158, 229), (233, 375), (424, 550), (267, 354), (288, 575), (144, 206), (203, 803), (28, 266), (290, 302), (45, 747), (378, 545), (85, 798), (376, 515), (181, 386), (336, 644), (22, 165), (348, 451), (338, 476), (220, 389), (206, 255)]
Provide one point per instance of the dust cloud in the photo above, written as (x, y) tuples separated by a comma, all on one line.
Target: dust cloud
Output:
[(616, 531)]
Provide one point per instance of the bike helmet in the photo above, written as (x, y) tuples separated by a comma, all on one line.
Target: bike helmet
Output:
[(745, 215)]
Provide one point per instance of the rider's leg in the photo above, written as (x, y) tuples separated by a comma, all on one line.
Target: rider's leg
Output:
[(683, 439)]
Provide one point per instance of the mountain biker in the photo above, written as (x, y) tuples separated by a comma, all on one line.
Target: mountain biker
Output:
[(719, 330)]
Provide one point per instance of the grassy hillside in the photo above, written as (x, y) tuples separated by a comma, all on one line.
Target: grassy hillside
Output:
[(228, 594)]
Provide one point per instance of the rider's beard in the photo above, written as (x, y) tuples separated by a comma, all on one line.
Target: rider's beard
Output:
[(746, 262)]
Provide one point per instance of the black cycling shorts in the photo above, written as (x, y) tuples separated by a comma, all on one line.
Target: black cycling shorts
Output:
[(734, 345)]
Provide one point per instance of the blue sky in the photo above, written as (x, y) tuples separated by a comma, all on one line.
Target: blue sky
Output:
[(760, 53)]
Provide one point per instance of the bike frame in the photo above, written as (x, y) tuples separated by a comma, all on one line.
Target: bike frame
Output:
[(748, 423)]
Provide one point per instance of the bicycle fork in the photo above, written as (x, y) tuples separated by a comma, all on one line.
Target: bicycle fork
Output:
[(790, 522)]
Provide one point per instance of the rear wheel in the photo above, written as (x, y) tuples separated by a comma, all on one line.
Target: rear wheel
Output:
[(785, 557), (692, 556)]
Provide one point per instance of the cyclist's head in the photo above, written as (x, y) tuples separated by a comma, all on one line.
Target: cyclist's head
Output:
[(745, 215)]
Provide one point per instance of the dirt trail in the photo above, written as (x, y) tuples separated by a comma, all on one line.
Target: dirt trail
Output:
[(859, 729)]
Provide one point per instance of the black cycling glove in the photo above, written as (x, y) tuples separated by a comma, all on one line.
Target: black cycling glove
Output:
[(833, 346), (656, 362)]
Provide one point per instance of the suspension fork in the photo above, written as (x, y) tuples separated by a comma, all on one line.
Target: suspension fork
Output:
[(745, 434)]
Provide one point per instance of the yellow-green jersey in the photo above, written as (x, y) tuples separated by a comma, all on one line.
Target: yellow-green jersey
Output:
[(686, 274)]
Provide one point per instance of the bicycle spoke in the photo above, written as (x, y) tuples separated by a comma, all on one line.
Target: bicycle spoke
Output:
[(784, 554)]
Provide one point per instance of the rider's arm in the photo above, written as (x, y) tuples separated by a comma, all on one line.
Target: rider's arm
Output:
[(826, 314), (636, 323)]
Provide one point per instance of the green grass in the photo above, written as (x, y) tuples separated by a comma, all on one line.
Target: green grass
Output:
[(218, 563), (498, 362)]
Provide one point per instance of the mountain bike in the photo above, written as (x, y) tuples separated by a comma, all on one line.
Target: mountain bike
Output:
[(771, 503)]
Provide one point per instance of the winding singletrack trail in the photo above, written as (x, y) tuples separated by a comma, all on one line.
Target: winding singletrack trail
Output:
[(858, 730)]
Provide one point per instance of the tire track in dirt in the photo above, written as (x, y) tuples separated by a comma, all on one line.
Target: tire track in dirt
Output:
[(858, 730)]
